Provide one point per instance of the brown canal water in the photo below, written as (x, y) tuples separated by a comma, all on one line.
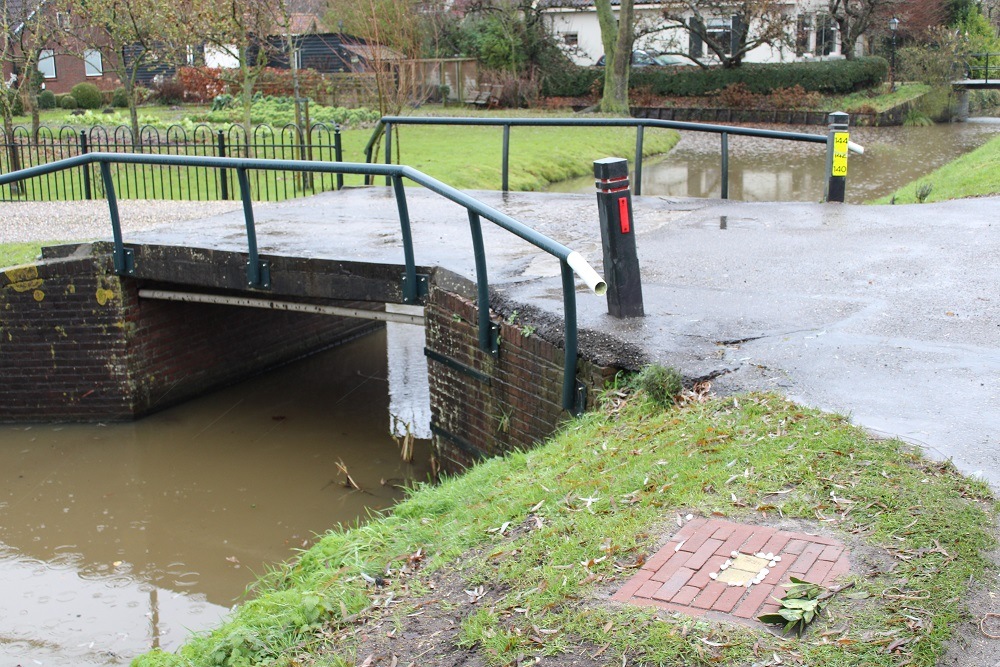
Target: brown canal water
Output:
[(117, 538), (777, 170)]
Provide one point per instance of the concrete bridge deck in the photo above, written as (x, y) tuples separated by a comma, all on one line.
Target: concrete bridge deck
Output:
[(888, 314)]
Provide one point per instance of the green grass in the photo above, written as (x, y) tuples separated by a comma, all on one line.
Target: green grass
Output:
[(586, 507), (975, 174), (876, 100), (12, 254)]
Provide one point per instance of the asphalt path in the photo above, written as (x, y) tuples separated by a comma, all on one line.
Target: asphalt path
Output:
[(887, 314)]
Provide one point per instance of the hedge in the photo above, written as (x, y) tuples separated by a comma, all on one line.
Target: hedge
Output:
[(830, 77)]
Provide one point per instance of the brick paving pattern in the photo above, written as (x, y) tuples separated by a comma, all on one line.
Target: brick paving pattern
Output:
[(678, 578)]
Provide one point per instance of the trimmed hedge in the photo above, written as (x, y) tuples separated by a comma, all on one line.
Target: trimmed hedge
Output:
[(830, 77), (67, 101), (87, 96), (46, 100)]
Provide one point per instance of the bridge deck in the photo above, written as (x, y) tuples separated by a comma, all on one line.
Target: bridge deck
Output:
[(977, 84), (880, 312)]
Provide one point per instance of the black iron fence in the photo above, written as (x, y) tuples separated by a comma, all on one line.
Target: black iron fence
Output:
[(20, 150)]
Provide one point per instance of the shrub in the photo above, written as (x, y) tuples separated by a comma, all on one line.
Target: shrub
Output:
[(119, 98), (87, 96), (829, 77), (67, 101), (168, 91), (201, 84), (46, 100), (661, 384)]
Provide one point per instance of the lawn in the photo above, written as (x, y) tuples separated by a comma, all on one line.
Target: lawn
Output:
[(537, 540)]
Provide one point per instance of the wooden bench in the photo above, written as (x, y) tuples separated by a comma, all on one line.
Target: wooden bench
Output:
[(486, 97)]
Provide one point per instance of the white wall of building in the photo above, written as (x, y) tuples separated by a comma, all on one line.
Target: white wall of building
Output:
[(579, 32)]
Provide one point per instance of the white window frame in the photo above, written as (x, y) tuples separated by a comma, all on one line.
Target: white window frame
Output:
[(721, 30), (47, 63), (93, 64)]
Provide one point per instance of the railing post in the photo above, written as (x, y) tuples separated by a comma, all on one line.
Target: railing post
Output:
[(258, 272), (338, 154), (725, 164), (836, 156), (84, 149), (505, 185), (388, 149), (124, 260), (570, 388), (411, 290), (488, 331), (621, 263), (223, 173), (638, 158)]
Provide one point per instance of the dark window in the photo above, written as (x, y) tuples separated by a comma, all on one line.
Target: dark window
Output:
[(826, 35), (803, 28), (720, 32)]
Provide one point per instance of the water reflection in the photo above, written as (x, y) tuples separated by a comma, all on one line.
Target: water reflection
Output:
[(120, 537), (775, 170)]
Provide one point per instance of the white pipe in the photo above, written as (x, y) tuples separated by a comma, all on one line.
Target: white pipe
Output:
[(270, 304), (855, 148), (587, 273)]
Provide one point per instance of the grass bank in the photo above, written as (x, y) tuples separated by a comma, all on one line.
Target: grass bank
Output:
[(516, 559), (975, 174)]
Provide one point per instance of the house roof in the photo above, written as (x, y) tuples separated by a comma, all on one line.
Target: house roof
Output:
[(372, 52), (304, 17)]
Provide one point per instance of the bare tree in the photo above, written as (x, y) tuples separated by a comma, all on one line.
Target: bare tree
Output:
[(617, 36), (239, 29), (856, 17), (133, 33), (725, 31), (26, 30)]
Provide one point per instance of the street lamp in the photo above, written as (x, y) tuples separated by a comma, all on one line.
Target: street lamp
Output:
[(893, 25)]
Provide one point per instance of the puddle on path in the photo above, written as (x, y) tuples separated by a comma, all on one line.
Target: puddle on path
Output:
[(117, 538)]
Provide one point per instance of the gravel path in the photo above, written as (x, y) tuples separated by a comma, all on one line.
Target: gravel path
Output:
[(22, 222)]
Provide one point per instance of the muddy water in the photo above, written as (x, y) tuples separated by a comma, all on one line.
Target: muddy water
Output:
[(117, 538), (773, 170)]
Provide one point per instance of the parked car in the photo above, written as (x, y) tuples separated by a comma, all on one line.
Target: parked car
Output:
[(665, 60), (639, 59)]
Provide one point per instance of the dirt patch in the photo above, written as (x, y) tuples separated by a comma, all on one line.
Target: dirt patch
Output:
[(976, 640)]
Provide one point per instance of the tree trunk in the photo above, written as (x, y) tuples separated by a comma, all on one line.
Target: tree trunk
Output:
[(617, 37)]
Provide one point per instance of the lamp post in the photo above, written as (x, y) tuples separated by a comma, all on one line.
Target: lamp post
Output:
[(893, 25)]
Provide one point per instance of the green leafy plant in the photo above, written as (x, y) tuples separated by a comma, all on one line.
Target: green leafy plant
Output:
[(802, 603), (660, 383), (923, 192)]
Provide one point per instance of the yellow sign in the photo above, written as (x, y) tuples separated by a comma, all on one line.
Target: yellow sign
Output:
[(840, 140)]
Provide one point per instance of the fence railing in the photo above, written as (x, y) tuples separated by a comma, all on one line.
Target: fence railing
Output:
[(258, 270), (978, 66), (386, 123), (154, 181)]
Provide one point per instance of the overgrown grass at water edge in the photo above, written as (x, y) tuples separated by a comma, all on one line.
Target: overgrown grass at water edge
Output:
[(550, 532), (975, 174)]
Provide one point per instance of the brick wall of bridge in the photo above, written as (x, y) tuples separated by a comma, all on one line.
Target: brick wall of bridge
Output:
[(77, 343), (521, 402)]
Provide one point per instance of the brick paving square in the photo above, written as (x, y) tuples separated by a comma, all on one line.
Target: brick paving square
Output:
[(678, 579)]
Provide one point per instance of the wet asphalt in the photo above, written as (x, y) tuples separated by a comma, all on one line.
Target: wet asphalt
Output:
[(887, 314)]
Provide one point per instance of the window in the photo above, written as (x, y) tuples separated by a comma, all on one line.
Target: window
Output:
[(802, 34), (571, 38), (92, 63), (826, 35), (720, 32), (47, 63)]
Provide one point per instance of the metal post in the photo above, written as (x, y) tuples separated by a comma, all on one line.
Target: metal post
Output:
[(505, 159), (388, 149), (258, 272), (638, 158), (223, 173), (411, 292), (836, 156), (124, 259), (621, 263), (338, 154), (725, 165), (488, 331), (84, 149)]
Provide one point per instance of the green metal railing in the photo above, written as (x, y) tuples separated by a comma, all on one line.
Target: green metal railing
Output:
[(258, 271), (977, 66), (386, 124)]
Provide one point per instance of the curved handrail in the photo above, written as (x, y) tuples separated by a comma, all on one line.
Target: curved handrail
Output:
[(385, 124), (570, 261)]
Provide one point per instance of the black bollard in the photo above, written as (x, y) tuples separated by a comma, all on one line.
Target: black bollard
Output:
[(621, 264), (837, 144)]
